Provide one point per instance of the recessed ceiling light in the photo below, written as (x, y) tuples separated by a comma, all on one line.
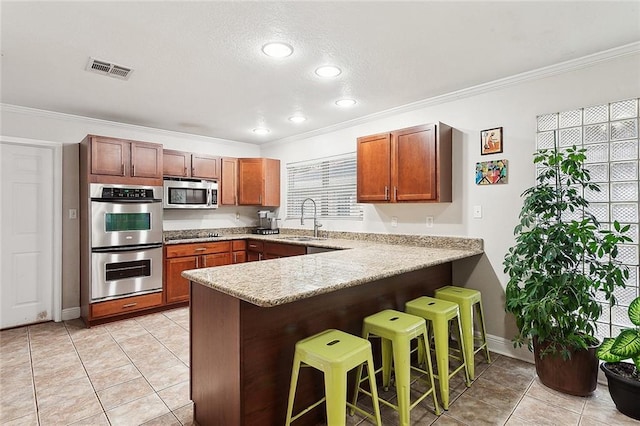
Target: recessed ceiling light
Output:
[(297, 118), (277, 49), (346, 102), (261, 131), (328, 71)]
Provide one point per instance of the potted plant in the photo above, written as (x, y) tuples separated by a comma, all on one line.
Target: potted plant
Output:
[(559, 264), (624, 378)]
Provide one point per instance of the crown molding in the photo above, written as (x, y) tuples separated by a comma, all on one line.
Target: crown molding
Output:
[(548, 71), (61, 116)]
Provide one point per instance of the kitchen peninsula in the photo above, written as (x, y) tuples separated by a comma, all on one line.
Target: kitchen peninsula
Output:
[(246, 318)]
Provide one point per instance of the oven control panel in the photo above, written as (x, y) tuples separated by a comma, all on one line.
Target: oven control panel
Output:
[(116, 193)]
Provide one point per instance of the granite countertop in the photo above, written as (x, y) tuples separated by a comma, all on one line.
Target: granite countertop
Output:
[(356, 261)]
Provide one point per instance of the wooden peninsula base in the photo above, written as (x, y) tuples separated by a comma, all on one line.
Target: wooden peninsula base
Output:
[(241, 354)]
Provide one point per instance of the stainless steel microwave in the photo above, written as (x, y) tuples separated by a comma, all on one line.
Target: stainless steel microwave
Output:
[(190, 194)]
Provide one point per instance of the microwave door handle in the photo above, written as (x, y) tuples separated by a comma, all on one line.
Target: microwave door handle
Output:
[(209, 197)]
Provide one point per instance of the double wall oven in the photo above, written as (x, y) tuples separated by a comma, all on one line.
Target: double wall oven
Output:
[(126, 240)]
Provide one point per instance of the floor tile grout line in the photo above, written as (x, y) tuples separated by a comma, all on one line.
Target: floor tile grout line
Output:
[(33, 376)]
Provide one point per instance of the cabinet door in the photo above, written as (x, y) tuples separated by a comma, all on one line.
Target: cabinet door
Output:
[(217, 259), (109, 156), (229, 182), (275, 250), (239, 257), (253, 256), (176, 163), (205, 166), (374, 168), (146, 160), (250, 181), (414, 168), (177, 287)]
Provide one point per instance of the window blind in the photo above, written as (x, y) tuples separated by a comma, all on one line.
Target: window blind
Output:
[(330, 182)]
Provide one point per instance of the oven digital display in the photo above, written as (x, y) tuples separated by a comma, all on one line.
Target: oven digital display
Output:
[(118, 222)]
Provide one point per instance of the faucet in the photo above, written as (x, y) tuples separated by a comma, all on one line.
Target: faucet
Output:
[(316, 225)]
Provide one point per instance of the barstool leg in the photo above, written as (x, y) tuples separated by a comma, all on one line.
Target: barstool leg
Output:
[(423, 344), (401, 357), (483, 331), (463, 351), (387, 354), (374, 390), (441, 337), (466, 320), (292, 389), (335, 388)]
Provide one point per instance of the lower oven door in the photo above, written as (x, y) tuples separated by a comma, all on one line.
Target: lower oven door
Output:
[(126, 271)]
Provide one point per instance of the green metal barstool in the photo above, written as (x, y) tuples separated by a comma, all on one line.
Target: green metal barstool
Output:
[(333, 352), (438, 313), (468, 299), (397, 330)]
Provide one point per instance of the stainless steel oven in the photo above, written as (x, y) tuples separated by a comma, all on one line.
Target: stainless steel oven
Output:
[(126, 240)]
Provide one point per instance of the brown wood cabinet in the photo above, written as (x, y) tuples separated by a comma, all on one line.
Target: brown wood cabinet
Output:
[(112, 160), (258, 182), (181, 257), (187, 164), (406, 165), (228, 182), (264, 250), (238, 251)]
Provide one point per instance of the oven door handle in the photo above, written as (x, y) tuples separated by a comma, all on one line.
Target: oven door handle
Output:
[(121, 249), (126, 201)]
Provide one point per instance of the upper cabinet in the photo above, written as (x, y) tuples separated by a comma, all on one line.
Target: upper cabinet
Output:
[(228, 182), (407, 165), (186, 164), (111, 160), (258, 182)]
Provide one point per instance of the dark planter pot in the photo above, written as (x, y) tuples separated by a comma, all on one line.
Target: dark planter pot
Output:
[(576, 376), (624, 392)]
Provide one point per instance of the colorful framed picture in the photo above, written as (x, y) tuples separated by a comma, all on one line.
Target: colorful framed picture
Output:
[(491, 141), (491, 172)]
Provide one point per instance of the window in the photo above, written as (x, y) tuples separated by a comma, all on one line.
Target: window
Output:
[(610, 135), (330, 182)]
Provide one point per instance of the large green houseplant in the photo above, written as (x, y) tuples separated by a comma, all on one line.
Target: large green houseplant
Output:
[(560, 262)]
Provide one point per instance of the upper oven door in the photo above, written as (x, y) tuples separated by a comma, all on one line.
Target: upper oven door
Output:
[(125, 223)]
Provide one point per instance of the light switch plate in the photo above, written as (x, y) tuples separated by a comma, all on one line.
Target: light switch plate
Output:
[(73, 213), (429, 222), (477, 212)]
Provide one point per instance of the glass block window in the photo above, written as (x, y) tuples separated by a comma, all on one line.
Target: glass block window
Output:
[(609, 132), (330, 182)]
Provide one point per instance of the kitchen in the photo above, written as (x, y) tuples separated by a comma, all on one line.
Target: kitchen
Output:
[(512, 103)]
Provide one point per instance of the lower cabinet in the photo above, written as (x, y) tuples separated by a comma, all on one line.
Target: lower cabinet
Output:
[(181, 257), (238, 251), (264, 250)]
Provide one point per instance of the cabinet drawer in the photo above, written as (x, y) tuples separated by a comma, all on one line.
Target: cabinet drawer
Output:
[(238, 245), (194, 249), (129, 304), (255, 245), (283, 250)]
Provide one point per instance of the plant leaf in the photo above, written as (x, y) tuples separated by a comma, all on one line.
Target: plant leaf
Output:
[(627, 344), (634, 312), (604, 351)]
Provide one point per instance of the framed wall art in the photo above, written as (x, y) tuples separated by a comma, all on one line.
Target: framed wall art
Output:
[(491, 172), (491, 141)]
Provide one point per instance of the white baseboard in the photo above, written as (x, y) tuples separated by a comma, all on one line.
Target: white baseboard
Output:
[(70, 313), (504, 346)]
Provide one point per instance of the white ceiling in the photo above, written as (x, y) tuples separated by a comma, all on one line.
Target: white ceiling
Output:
[(198, 67)]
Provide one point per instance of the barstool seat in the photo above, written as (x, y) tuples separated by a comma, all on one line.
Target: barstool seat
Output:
[(335, 353), (397, 330), (438, 313), (467, 299)]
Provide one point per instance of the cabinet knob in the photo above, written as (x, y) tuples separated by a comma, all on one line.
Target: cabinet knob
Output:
[(129, 305), (122, 169), (386, 192), (133, 170), (185, 171), (395, 193)]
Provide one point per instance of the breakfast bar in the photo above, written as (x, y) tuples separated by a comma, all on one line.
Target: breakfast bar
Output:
[(246, 318)]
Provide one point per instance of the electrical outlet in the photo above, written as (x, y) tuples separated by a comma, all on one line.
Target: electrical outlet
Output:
[(477, 212), (73, 213), (429, 222), (394, 221), (237, 216)]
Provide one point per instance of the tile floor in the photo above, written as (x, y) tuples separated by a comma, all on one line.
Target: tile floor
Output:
[(136, 372)]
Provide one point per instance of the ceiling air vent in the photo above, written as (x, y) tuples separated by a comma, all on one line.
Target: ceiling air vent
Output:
[(107, 68)]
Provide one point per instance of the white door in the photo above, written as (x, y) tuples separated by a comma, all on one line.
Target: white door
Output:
[(26, 234)]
